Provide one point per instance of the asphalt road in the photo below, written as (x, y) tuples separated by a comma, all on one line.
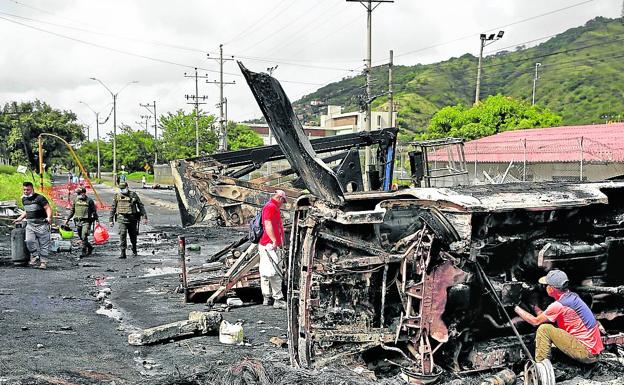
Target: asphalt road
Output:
[(53, 329)]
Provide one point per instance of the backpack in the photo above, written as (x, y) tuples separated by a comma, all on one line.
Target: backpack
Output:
[(255, 228)]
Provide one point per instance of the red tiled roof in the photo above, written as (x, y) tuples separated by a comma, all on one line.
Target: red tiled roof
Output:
[(600, 142)]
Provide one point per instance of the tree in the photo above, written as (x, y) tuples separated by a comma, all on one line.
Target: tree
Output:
[(135, 149), (178, 135), (22, 123), (240, 136), (493, 115)]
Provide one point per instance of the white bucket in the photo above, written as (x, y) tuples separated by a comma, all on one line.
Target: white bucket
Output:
[(230, 334)]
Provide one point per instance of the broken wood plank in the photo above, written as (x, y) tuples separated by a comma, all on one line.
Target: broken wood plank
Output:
[(198, 323)]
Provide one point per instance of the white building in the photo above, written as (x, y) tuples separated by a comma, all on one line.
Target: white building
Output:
[(334, 123)]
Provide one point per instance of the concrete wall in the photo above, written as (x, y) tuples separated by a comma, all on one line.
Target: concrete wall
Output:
[(163, 175)]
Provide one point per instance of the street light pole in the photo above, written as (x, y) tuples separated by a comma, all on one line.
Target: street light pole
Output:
[(489, 39), (535, 82), (114, 95), (97, 137)]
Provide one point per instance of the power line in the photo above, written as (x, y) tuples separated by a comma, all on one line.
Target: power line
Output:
[(272, 34), (495, 28), (245, 31), (294, 37), (120, 37), (128, 53)]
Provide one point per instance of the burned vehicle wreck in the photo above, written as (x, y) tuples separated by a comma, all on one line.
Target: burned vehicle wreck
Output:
[(428, 276), (220, 187)]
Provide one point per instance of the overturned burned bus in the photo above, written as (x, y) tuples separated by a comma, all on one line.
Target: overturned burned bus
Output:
[(428, 274), (220, 187)]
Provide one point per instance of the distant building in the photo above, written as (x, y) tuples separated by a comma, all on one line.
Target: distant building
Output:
[(334, 123), (348, 122)]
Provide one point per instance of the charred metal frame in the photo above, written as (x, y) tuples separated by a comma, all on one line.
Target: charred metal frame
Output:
[(212, 187), (413, 272), (427, 151)]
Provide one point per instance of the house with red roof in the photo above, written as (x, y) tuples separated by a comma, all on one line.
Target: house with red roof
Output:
[(590, 152)]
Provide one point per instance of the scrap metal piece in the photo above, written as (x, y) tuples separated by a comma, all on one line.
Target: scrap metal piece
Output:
[(279, 114)]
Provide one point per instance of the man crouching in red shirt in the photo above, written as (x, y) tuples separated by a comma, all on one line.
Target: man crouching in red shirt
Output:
[(268, 248), (577, 333)]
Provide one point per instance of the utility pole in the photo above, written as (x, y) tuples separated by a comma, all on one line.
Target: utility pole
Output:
[(222, 123), (390, 91), (535, 82), (149, 107), (196, 101), (147, 118), (114, 95), (485, 41), (368, 4)]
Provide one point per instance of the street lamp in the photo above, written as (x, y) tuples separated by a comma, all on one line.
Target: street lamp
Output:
[(97, 136), (537, 65), (489, 39), (114, 95)]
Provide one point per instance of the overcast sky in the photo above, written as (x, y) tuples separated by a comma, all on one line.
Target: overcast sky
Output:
[(50, 48)]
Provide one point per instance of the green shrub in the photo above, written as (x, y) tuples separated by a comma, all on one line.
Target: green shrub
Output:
[(6, 169)]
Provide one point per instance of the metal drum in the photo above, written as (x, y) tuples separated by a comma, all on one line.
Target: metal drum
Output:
[(19, 253)]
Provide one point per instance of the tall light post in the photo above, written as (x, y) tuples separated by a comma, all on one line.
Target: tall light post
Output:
[(114, 95), (485, 41), (537, 65), (97, 136)]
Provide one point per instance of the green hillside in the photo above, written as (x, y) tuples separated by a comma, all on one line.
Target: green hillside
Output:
[(581, 79)]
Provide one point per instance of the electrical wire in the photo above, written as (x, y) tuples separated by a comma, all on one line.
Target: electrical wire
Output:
[(293, 38), (272, 34), (251, 27), (128, 53), (494, 28)]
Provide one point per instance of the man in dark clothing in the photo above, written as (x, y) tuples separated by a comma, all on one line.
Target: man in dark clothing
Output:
[(84, 213), (127, 209), (38, 214)]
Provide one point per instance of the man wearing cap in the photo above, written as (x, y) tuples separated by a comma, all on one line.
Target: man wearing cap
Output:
[(84, 213), (268, 248), (577, 333), (127, 209)]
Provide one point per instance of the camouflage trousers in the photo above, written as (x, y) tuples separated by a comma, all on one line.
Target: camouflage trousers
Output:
[(84, 229), (132, 230)]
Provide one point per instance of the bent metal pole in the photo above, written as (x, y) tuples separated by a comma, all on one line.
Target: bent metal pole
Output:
[(73, 154)]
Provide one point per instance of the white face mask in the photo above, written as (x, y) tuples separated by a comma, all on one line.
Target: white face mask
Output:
[(124, 190), (28, 196)]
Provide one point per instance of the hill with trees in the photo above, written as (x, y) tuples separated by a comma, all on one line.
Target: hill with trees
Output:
[(581, 79)]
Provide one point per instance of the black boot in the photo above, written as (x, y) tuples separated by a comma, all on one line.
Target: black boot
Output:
[(123, 254), (89, 249), (134, 250)]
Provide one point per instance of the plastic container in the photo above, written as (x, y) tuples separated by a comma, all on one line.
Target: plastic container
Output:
[(66, 232), (230, 334), (59, 245), (19, 253)]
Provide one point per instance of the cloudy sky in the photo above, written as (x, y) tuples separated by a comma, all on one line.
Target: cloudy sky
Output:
[(50, 48)]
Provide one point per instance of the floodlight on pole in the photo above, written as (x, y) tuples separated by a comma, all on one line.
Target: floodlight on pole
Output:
[(97, 137), (485, 41), (114, 95)]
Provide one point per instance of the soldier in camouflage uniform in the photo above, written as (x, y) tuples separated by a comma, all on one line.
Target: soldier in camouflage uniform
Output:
[(84, 213), (127, 209)]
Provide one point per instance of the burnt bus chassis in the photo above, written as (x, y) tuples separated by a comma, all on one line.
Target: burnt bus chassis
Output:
[(427, 274)]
